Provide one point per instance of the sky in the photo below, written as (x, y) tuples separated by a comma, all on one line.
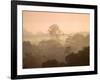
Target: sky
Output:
[(37, 22)]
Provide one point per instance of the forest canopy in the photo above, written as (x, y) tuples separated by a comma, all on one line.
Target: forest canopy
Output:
[(56, 49)]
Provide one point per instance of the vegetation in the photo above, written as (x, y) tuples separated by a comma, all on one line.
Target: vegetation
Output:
[(54, 31), (52, 53), (79, 59)]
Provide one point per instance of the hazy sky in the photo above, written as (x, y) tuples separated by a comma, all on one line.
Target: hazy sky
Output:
[(68, 22)]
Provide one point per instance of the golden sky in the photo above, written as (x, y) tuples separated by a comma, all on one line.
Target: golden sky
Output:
[(35, 22)]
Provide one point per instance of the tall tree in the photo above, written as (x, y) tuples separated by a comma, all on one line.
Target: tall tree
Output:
[(54, 31)]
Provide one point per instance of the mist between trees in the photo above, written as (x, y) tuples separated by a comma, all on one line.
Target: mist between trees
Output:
[(56, 49)]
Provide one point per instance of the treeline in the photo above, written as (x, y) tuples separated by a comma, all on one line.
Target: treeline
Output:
[(51, 53)]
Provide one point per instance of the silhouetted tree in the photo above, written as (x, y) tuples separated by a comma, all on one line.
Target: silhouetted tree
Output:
[(54, 31), (53, 63), (78, 59), (50, 63), (27, 48), (30, 55)]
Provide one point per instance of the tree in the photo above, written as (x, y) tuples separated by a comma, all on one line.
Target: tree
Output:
[(31, 55), (54, 31), (53, 63), (50, 63), (52, 49), (79, 59), (77, 42), (67, 50)]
